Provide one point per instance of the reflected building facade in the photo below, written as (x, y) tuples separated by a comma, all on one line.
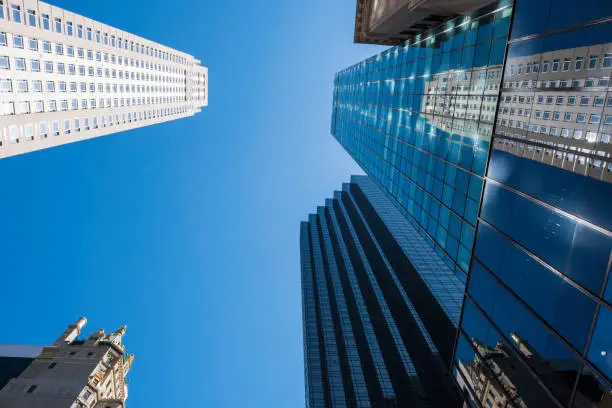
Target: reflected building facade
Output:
[(380, 308), (491, 135)]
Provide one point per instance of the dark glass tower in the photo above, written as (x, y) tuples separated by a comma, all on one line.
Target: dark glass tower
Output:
[(380, 307), (492, 135)]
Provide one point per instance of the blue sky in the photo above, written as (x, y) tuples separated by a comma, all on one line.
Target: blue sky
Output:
[(188, 231)]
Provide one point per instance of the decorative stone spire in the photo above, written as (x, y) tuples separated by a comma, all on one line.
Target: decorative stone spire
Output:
[(128, 363), (72, 331)]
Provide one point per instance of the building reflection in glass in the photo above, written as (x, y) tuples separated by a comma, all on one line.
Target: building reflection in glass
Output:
[(498, 378)]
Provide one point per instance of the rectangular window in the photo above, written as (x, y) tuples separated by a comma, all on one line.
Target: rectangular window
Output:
[(42, 130), (39, 106), (61, 68), (6, 85), (580, 118), (578, 63), (567, 116), (22, 85), (69, 28), (608, 120), (45, 22), (20, 64), (595, 118), (545, 66), (607, 61), (79, 31), (70, 51), (50, 86), (598, 100), (46, 47), (33, 44), (58, 25), (49, 67), (17, 41), (98, 36), (31, 18), (89, 34), (71, 69), (59, 49), (4, 62), (62, 86), (3, 41), (37, 86), (31, 389), (80, 53), (16, 13), (55, 128), (567, 62), (593, 62)]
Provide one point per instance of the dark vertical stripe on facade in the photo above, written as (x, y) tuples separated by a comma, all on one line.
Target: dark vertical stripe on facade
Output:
[(428, 368), (346, 374), (324, 371), (437, 323), (315, 391), (399, 377), (367, 364)]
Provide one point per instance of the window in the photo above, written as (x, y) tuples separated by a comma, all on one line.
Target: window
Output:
[(17, 41), (545, 66), (553, 131), (595, 118), (608, 120), (89, 35), (61, 68), (31, 389), (39, 106), (59, 49), (42, 130), (567, 116), (89, 54), (577, 134), (86, 123), (20, 64), (556, 115), (52, 366), (79, 31), (580, 118), (571, 100), (32, 18), (33, 44), (46, 46), (80, 53), (605, 138), (58, 25), (50, 86), (607, 61), (62, 86), (22, 85), (49, 67), (98, 36), (598, 100), (70, 51), (6, 85), (584, 100), (69, 28), (560, 100), (67, 126), (16, 13), (37, 86), (45, 22), (567, 62), (77, 125), (7, 108), (86, 395), (55, 128), (3, 39), (593, 62), (73, 87), (555, 65)]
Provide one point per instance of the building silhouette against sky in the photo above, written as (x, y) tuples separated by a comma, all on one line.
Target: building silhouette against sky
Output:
[(380, 307), (66, 78), (491, 135), (73, 372)]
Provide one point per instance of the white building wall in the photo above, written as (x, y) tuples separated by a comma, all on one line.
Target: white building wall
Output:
[(113, 80)]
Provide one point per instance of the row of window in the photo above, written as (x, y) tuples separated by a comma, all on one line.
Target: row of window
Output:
[(21, 85), (15, 134), (47, 47), (562, 83), (579, 117), (66, 27), (579, 134), (571, 100), (24, 107), (569, 157), (565, 65)]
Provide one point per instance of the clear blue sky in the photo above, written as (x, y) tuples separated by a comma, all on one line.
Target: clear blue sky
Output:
[(188, 231)]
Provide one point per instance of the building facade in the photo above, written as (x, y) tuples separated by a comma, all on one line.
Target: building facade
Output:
[(72, 372), (491, 135), (67, 78), (380, 307)]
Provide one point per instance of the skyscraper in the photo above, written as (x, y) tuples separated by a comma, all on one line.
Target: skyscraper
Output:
[(66, 78), (72, 372), (380, 307), (491, 134)]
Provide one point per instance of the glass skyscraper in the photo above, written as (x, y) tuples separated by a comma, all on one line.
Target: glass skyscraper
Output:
[(380, 307), (492, 136)]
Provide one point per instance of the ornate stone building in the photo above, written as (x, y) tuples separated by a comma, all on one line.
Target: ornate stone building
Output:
[(72, 372)]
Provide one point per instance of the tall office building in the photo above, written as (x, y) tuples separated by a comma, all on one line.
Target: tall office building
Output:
[(71, 373), (380, 307), (491, 134), (66, 78)]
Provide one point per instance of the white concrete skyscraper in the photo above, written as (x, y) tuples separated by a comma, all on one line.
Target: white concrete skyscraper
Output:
[(66, 78)]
